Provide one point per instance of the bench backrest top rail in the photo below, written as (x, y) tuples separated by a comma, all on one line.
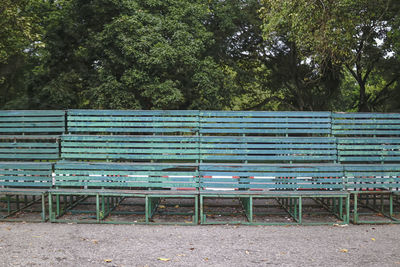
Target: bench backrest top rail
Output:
[(266, 123), (366, 124), (13, 174), (136, 122), (130, 148), (268, 149), (111, 175), (33, 123)]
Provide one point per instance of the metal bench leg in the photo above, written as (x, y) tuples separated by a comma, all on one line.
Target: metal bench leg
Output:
[(44, 207), (97, 208), (196, 210), (202, 215), (248, 207), (355, 211), (51, 214), (300, 210)]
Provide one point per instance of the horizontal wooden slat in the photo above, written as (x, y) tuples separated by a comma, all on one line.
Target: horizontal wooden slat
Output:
[(28, 113)]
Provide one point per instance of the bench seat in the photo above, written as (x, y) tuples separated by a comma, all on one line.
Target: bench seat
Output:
[(27, 180), (151, 182)]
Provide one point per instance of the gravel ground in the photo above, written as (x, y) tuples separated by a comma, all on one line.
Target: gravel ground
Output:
[(28, 244)]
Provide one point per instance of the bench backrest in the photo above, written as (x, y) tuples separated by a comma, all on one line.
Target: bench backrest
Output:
[(130, 148), (112, 175), (137, 122), (368, 150), (271, 177), (372, 176), (243, 149), (32, 123), (265, 123), (38, 175), (29, 150), (366, 124)]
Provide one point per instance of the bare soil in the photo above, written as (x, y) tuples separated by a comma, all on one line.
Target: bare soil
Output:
[(46, 244)]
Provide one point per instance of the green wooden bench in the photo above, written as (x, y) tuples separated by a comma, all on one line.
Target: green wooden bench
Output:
[(23, 185), (107, 160), (152, 144), (288, 185), (118, 181), (368, 147), (285, 156), (133, 122), (27, 137)]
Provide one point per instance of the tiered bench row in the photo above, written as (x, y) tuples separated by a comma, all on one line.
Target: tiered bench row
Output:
[(194, 166)]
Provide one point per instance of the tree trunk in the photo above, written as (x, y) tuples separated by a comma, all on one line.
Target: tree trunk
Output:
[(362, 104)]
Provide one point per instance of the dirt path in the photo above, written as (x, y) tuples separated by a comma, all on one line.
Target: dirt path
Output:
[(46, 244)]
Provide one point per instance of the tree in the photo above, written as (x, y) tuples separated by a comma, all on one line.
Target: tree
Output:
[(19, 39), (356, 35)]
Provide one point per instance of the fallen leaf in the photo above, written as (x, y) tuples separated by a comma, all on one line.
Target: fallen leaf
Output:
[(161, 206), (373, 239), (108, 260), (344, 250), (188, 221), (8, 228), (191, 248), (206, 259), (164, 259), (340, 225), (181, 255), (176, 206)]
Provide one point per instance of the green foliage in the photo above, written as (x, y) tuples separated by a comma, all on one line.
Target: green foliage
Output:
[(355, 34), (200, 54)]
